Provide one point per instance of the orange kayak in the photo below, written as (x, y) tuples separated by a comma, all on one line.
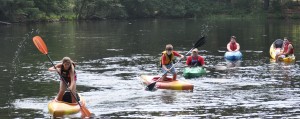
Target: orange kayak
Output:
[(169, 84), (61, 108)]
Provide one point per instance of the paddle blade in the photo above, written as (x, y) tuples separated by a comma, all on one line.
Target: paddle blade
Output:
[(200, 42), (151, 86), (40, 44), (85, 112)]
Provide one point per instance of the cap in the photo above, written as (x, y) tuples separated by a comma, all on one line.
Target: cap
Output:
[(195, 50)]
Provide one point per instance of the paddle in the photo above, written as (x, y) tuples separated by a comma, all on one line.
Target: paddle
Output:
[(40, 44), (199, 43)]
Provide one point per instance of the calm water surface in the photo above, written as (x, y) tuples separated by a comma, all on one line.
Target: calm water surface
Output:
[(111, 56)]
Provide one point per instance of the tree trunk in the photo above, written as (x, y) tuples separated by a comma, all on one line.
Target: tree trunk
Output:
[(83, 4), (266, 4)]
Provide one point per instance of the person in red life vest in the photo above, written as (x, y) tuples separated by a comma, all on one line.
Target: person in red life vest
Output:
[(195, 59), (167, 58), (288, 49), (67, 71), (233, 45)]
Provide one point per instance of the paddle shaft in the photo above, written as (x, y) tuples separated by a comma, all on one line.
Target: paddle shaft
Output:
[(62, 79)]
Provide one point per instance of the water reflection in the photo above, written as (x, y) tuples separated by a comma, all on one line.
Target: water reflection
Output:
[(168, 97), (233, 64)]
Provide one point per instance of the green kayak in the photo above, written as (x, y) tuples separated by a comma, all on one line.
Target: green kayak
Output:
[(193, 72)]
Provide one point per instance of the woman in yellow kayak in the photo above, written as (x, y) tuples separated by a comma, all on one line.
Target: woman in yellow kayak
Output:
[(288, 49), (167, 58), (67, 71)]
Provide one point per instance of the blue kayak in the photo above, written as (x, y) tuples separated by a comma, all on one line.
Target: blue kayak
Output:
[(233, 56)]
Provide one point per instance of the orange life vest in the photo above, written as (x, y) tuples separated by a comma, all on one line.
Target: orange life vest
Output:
[(169, 58)]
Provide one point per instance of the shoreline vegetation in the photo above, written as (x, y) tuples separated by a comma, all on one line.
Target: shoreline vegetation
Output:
[(20, 11)]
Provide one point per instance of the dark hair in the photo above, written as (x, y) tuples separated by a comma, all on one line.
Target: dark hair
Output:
[(169, 47), (286, 38), (233, 37)]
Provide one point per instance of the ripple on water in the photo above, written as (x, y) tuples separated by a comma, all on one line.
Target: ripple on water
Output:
[(117, 91)]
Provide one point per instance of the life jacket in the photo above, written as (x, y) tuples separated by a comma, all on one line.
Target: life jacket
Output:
[(233, 46), (169, 58), (286, 48), (66, 73), (195, 62)]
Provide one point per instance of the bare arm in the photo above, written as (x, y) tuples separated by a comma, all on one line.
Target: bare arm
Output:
[(165, 67), (72, 76), (237, 47), (58, 66), (228, 47), (181, 56)]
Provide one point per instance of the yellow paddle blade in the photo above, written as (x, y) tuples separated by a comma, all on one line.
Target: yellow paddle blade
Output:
[(40, 44)]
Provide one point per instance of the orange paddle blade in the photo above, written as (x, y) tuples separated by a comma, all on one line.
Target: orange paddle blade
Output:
[(85, 112), (40, 44)]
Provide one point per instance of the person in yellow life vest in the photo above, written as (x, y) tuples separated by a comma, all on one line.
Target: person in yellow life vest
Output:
[(167, 58), (288, 49), (233, 45), (67, 71)]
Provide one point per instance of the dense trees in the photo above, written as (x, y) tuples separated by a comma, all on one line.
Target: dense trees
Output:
[(54, 10), (35, 10)]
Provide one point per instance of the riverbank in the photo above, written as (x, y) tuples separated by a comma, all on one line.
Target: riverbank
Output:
[(288, 14)]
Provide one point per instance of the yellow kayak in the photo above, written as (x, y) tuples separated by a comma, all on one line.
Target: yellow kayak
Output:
[(169, 84), (273, 52), (60, 108)]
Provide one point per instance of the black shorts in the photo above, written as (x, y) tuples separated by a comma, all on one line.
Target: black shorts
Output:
[(68, 97)]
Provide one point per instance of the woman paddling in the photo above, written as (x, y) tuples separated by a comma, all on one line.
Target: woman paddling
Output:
[(67, 71)]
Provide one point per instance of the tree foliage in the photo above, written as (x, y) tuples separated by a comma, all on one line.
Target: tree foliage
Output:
[(48, 10), (34, 10)]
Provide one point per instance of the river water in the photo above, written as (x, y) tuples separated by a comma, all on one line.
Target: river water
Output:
[(111, 55)]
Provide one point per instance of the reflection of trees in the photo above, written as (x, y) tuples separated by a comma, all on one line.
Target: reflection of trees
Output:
[(283, 71), (232, 64), (232, 67)]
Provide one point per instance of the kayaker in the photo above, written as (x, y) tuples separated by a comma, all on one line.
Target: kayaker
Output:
[(195, 59), (67, 71), (167, 58), (278, 45), (288, 49), (233, 45)]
